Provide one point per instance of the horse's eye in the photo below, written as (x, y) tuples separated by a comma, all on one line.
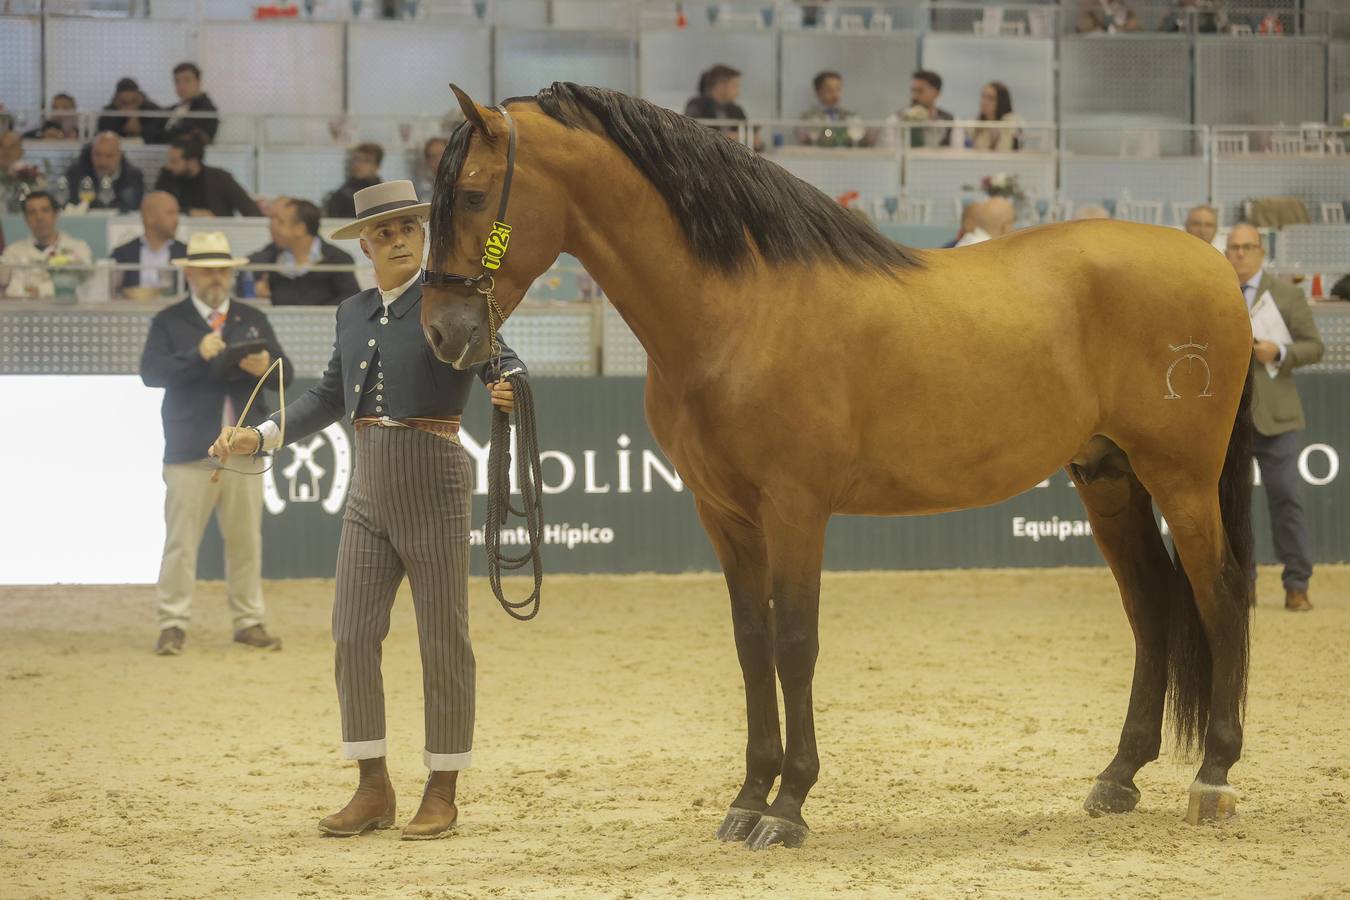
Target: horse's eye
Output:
[(475, 199)]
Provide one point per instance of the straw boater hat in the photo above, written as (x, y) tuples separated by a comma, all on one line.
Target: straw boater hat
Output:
[(392, 199), (209, 250)]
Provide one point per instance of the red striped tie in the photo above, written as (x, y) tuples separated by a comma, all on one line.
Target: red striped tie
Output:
[(217, 323)]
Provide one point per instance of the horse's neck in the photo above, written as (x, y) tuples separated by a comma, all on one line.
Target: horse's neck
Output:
[(624, 234)]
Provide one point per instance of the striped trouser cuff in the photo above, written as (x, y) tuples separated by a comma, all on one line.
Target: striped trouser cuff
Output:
[(364, 749), (447, 762)]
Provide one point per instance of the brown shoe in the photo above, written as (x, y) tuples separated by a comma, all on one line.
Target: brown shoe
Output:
[(437, 815), (170, 642), (257, 636), (1296, 601), (372, 806)]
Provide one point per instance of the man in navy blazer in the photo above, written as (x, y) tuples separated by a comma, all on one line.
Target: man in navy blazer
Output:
[(207, 385), (154, 251)]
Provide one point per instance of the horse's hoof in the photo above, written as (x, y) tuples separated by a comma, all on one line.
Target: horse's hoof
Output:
[(1108, 797), (738, 824), (772, 830), (1211, 803)]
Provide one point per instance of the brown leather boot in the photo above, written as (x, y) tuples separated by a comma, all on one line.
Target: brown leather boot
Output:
[(437, 814), (1297, 601), (372, 806)]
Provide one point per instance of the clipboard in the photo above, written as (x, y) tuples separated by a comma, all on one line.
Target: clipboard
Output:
[(232, 353), (1269, 325)]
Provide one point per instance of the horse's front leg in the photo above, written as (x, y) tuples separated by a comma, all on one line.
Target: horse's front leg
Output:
[(740, 549), (796, 545)]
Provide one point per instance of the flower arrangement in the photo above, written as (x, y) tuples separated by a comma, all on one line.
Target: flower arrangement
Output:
[(1000, 185)]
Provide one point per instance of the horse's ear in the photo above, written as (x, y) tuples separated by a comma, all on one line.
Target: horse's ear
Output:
[(480, 118)]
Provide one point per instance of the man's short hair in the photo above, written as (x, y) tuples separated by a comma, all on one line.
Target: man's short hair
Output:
[(37, 195), (190, 145), (1202, 207), (822, 77), (63, 96), (188, 67), (307, 213), (372, 150), (719, 74), (933, 79)]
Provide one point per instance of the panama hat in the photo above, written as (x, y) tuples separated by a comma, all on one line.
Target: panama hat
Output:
[(209, 250), (388, 200)]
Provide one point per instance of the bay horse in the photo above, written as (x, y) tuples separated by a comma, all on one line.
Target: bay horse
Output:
[(801, 365)]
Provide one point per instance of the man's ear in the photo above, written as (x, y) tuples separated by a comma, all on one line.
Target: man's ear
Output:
[(365, 248), (485, 121)]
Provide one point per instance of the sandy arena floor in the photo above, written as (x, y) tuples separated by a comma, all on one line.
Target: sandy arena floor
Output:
[(961, 717)]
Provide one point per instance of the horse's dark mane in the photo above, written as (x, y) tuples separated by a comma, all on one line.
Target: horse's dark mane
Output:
[(725, 198)]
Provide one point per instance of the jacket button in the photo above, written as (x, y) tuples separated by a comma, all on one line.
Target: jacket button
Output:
[(370, 343), (384, 320), (379, 409), (364, 364), (379, 396), (357, 388)]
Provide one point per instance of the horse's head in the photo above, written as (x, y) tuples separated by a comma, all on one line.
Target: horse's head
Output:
[(496, 225)]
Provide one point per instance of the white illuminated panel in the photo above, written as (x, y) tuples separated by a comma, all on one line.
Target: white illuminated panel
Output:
[(81, 490)]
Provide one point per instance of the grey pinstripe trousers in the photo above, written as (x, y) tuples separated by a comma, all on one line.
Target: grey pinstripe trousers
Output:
[(407, 512)]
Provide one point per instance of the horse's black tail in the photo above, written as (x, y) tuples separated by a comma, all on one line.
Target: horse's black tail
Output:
[(1189, 666)]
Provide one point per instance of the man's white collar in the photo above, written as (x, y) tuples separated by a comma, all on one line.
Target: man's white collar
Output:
[(388, 297)]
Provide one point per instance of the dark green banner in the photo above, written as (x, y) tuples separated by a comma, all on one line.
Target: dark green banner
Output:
[(614, 503)]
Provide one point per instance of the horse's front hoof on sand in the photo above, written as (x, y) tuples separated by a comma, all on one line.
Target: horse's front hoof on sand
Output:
[(1211, 803), (738, 824), (772, 830), (1109, 797)]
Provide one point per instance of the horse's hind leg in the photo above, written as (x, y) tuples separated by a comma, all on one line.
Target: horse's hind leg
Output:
[(740, 550), (1121, 513), (796, 545)]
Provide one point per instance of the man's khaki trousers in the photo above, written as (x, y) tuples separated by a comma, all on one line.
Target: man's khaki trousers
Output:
[(189, 499)]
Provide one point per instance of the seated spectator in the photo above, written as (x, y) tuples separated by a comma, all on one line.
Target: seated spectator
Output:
[(829, 87), (61, 125), (996, 106), (1341, 290), (296, 244), (1209, 17), (363, 171), (992, 219), (1105, 15), (432, 151), (153, 251), (128, 100), (1203, 222), (1092, 211), (967, 225), (718, 90), (924, 89), (200, 189), (44, 246), (116, 183), (187, 83)]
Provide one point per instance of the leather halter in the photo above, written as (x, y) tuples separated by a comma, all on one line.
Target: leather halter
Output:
[(500, 230)]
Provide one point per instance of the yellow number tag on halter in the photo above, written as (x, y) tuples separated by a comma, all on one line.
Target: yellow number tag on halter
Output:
[(494, 251)]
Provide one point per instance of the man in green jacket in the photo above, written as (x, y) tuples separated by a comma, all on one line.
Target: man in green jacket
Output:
[(1276, 410)]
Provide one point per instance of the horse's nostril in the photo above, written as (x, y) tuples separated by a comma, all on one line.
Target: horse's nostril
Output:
[(434, 336)]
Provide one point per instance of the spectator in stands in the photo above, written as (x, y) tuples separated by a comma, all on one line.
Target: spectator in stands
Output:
[(121, 114), (1276, 410), (967, 225), (1210, 17), (1092, 211), (1203, 222), (296, 245), (432, 151), (200, 189), (1105, 15), (187, 83), (996, 106), (21, 265), (718, 90), (154, 251), (992, 218), (116, 183), (61, 125), (1341, 291), (363, 171), (924, 89), (829, 87)]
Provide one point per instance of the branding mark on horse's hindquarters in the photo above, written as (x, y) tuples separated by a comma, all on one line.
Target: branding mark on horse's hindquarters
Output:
[(1190, 354)]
